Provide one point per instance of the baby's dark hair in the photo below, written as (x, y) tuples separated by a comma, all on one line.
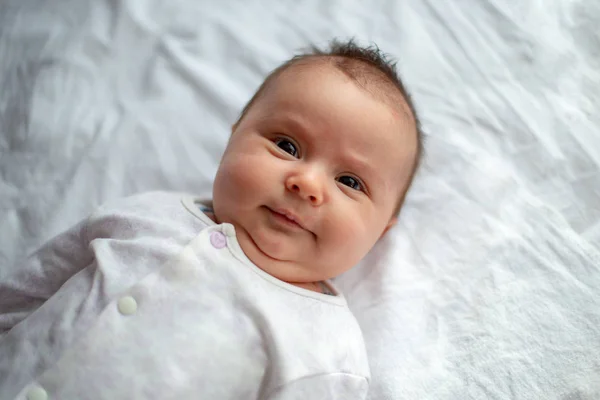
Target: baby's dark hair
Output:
[(371, 69)]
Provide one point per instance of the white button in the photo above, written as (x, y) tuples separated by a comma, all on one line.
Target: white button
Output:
[(37, 393), (127, 305)]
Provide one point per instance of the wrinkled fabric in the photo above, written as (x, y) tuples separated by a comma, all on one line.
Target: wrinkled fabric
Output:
[(148, 298)]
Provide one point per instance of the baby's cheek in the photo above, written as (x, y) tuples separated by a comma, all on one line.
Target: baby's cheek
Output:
[(251, 176), (345, 246), (356, 237), (343, 234)]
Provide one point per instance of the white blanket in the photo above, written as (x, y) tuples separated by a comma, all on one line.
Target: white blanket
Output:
[(490, 286)]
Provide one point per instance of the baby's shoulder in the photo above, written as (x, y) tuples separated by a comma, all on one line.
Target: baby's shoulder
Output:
[(154, 200), (143, 213)]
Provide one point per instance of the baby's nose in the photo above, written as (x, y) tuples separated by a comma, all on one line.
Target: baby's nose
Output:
[(307, 186)]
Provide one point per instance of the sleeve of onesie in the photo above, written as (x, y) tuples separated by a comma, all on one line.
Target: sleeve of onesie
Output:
[(326, 386), (41, 274)]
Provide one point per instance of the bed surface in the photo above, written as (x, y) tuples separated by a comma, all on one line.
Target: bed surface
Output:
[(489, 288)]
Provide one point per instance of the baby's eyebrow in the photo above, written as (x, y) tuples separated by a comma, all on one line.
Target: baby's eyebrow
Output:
[(294, 124), (363, 167), (358, 163)]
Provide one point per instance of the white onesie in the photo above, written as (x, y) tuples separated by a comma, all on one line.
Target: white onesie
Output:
[(149, 298)]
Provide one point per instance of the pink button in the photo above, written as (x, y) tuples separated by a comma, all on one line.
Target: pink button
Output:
[(218, 240)]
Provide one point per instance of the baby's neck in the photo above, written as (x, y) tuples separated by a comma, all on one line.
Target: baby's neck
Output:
[(313, 286), (211, 216)]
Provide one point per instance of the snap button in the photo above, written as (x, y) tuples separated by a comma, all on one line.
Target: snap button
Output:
[(127, 305), (218, 240), (37, 393)]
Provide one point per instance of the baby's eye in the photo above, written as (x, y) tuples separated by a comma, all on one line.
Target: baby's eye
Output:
[(287, 146), (351, 182)]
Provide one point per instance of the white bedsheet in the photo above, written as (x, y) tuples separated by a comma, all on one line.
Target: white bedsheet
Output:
[(490, 286)]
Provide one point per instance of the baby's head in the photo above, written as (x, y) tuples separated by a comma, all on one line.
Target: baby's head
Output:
[(319, 162)]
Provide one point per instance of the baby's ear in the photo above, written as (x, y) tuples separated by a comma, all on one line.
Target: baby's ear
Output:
[(392, 222)]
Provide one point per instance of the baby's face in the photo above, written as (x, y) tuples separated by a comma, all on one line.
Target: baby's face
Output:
[(320, 149)]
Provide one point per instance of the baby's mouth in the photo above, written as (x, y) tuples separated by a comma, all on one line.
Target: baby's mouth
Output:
[(285, 219)]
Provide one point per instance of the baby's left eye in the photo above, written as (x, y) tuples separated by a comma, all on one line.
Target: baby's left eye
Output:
[(351, 182), (287, 146)]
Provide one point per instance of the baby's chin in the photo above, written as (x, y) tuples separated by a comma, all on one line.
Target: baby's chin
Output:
[(273, 258), (284, 268)]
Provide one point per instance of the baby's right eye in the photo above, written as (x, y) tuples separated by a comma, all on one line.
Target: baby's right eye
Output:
[(287, 146)]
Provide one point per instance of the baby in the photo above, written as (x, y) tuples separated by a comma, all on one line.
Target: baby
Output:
[(167, 296)]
